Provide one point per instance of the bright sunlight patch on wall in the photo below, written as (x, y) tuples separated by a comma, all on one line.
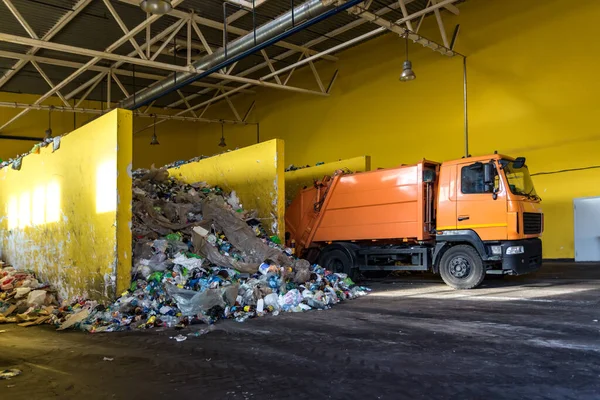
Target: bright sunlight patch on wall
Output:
[(106, 187)]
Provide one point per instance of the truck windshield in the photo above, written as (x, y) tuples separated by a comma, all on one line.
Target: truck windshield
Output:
[(519, 180)]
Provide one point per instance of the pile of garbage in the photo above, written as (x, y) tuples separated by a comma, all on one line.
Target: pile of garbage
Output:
[(179, 163), (198, 257), (293, 167), (24, 299)]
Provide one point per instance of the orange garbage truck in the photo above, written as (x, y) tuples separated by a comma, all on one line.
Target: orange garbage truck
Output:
[(461, 219)]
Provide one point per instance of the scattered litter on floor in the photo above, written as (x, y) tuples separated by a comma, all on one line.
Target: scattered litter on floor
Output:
[(10, 373), (3, 331), (179, 338), (198, 257), (202, 331), (108, 359)]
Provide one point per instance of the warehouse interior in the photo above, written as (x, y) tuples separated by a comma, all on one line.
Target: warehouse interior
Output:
[(260, 86)]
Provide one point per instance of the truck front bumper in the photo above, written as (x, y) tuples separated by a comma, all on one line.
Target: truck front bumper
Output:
[(529, 261)]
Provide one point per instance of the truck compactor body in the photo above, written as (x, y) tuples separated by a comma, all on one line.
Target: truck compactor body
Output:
[(461, 219)]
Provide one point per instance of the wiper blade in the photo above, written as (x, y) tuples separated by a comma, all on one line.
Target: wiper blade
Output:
[(530, 195)]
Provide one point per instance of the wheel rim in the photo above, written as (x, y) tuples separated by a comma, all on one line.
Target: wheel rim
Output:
[(460, 267), (336, 265)]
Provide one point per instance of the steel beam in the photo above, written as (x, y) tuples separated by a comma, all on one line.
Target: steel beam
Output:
[(366, 17), (86, 66), (98, 55), (49, 82), (231, 29), (95, 111), (147, 22), (309, 44), (57, 27), (124, 28)]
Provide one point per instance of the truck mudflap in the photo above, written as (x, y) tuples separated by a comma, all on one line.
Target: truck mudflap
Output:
[(529, 260)]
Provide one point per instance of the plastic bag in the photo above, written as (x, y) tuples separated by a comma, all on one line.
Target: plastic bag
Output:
[(158, 262), (291, 299), (191, 303), (230, 293), (36, 298), (272, 300), (234, 200), (160, 245), (246, 292), (189, 263), (22, 292), (176, 246)]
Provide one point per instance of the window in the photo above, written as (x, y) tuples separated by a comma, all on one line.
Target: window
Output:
[(472, 179)]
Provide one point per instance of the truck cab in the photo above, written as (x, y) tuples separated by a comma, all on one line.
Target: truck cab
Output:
[(462, 219), (490, 204)]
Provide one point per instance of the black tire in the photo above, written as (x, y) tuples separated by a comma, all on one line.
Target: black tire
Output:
[(462, 268), (338, 260)]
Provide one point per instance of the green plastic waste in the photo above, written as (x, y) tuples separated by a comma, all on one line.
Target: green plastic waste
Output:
[(189, 254), (349, 281), (174, 236), (156, 276), (275, 239)]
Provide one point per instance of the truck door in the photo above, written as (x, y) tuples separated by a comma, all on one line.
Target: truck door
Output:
[(477, 207)]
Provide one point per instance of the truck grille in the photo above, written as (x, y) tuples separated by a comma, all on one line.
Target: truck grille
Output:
[(532, 223)]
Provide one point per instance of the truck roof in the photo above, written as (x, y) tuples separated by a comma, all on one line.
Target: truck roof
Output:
[(479, 158)]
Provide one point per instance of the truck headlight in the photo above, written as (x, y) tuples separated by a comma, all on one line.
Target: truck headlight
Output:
[(515, 250), (497, 250)]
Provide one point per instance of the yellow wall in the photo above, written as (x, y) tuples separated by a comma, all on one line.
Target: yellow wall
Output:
[(300, 178), (533, 84), (532, 88), (256, 173), (66, 214)]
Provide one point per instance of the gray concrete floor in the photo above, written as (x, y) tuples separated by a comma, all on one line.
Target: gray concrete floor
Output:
[(530, 337)]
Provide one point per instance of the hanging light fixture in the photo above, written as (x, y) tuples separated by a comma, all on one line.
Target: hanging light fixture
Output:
[(49, 130), (407, 72), (222, 142), (154, 140), (156, 6)]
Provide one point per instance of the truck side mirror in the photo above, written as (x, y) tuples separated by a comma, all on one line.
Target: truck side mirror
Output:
[(488, 179), (519, 162), (488, 173)]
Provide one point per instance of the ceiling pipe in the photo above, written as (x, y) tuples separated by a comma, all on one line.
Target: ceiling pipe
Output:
[(295, 20)]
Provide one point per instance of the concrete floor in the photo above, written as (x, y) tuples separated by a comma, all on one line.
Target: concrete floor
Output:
[(530, 337)]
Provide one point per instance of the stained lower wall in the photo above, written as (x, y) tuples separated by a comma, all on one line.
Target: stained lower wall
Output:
[(66, 214)]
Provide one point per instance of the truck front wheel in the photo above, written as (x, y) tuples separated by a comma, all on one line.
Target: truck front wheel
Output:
[(462, 268), (338, 260)]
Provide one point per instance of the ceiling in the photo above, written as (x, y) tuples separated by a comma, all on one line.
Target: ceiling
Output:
[(95, 28)]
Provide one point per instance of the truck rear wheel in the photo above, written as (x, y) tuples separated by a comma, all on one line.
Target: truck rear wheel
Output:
[(338, 260), (462, 268)]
